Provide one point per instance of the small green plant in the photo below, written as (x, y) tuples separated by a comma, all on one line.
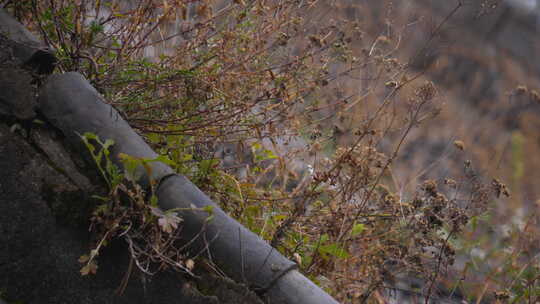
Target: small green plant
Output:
[(131, 213)]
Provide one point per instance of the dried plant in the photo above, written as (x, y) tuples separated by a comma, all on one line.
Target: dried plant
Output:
[(314, 114)]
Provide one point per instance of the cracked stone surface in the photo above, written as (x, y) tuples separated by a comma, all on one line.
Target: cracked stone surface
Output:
[(38, 260), (17, 96)]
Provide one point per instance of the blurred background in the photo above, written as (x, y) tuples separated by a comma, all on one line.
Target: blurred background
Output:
[(484, 58)]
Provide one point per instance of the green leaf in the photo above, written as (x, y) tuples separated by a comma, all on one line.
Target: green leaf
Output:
[(89, 135), (130, 165), (270, 154), (101, 198), (324, 238), (164, 159), (279, 217), (154, 201), (357, 229), (153, 137), (187, 157), (95, 27), (334, 250), (209, 209)]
